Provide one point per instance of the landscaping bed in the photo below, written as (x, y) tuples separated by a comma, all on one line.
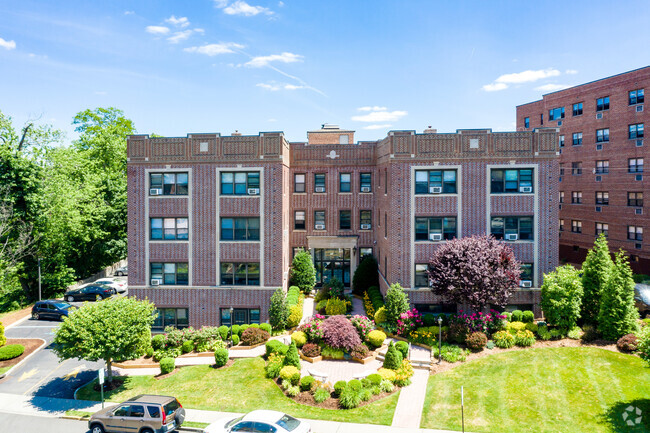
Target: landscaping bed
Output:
[(14, 316), (30, 344)]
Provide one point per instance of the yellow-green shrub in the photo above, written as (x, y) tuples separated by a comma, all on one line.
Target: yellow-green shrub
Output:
[(514, 327), (335, 307), (290, 373), (299, 338), (380, 315), (295, 314), (386, 374), (376, 338)]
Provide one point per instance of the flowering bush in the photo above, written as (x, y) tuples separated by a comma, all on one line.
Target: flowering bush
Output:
[(313, 328), (363, 325), (408, 321), (339, 333), (404, 373), (479, 322), (424, 336)]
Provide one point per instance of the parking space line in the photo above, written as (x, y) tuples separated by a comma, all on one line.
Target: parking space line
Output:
[(47, 376)]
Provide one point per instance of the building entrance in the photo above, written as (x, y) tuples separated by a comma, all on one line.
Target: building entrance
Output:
[(332, 263)]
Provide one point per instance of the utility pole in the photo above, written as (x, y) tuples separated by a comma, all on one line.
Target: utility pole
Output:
[(39, 278)]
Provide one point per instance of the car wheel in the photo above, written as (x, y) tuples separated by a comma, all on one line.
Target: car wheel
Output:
[(146, 430), (35, 316), (119, 274), (70, 298), (96, 428)]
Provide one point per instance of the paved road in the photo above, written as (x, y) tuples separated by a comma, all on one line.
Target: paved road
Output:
[(25, 423)]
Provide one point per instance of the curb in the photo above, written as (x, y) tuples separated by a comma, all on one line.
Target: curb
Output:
[(85, 418), (19, 321), (38, 349)]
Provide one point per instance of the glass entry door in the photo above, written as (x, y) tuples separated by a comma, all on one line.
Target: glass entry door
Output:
[(330, 263)]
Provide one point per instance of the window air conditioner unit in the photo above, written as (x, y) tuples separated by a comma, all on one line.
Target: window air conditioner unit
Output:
[(320, 189), (639, 108), (435, 236), (598, 208), (435, 190), (156, 281), (365, 226), (599, 115), (253, 191), (526, 283), (639, 142), (512, 237), (525, 189), (155, 191), (365, 189), (319, 227), (638, 211)]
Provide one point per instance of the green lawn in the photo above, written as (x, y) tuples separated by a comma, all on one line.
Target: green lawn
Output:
[(569, 390), (239, 388), (4, 369)]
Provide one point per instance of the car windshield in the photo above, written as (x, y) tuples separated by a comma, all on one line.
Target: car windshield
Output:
[(62, 306), (171, 407), (233, 422), (645, 294), (288, 422)]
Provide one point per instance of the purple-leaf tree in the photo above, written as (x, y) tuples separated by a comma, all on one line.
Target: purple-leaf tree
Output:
[(476, 270)]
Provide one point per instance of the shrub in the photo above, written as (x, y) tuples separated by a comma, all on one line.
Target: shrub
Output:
[(3, 339), (320, 395), (393, 358), (293, 391), (266, 327), (173, 337), (278, 310), (527, 316), (386, 386), (349, 398), (562, 296), (253, 336), (556, 334), (365, 394), (490, 345), (290, 373), (158, 341), (276, 346), (451, 353), (149, 352), (335, 307), (524, 338), (575, 333), (517, 316), (11, 351), (403, 348), (295, 315), (306, 383), (628, 343), (618, 315), (360, 351), (355, 384), (293, 295), (429, 320), (303, 273), (508, 316), (167, 365), (386, 374), (363, 325), (244, 327), (311, 350), (376, 338), (514, 327), (321, 305), (458, 332), (375, 390), (236, 330), (187, 346), (339, 333), (292, 357), (339, 387), (476, 341), (544, 334), (590, 333), (596, 270), (220, 357), (299, 338), (396, 302), (235, 339), (285, 384), (330, 352), (503, 339), (366, 275), (404, 373), (223, 332), (532, 327), (374, 379), (644, 344), (274, 365)]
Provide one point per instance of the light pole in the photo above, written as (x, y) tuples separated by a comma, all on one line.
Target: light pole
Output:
[(439, 339), (39, 278), (231, 311)]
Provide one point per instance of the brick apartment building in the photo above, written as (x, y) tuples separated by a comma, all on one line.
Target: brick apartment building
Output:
[(602, 147), (214, 220)]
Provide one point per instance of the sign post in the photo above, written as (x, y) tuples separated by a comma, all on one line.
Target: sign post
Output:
[(462, 407), (100, 372)]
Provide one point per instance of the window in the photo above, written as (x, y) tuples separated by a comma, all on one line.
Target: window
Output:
[(561, 169), (239, 183), (511, 180), (176, 317), (561, 196), (602, 104), (365, 182), (512, 228), (556, 113), (577, 109), (170, 273), (576, 168), (635, 131), (168, 184), (602, 166), (635, 233), (635, 199), (435, 228), (169, 229), (541, 119), (386, 181), (602, 135), (635, 165), (299, 220), (385, 224), (240, 229), (636, 96), (577, 138), (435, 181), (561, 140), (345, 182), (240, 274), (561, 225), (365, 219), (602, 228), (526, 272), (527, 122), (576, 197), (576, 226), (240, 316), (319, 220), (602, 197), (319, 182), (345, 220), (364, 252), (299, 182), (421, 275)]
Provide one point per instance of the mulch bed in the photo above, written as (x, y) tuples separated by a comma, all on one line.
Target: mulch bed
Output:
[(228, 364), (15, 316), (31, 344), (306, 398)]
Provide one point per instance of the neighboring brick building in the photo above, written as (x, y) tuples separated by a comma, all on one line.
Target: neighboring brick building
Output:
[(602, 149), (214, 221)]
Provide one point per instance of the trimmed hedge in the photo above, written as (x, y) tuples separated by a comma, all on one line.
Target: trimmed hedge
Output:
[(11, 351), (403, 348), (376, 298), (220, 357), (158, 341), (292, 296), (167, 365), (376, 338), (299, 338), (306, 383), (275, 346)]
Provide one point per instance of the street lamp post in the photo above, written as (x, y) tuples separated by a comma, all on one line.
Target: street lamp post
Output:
[(231, 311), (439, 339), (39, 278)]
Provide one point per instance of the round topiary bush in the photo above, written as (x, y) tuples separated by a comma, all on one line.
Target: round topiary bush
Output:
[(476, 341), (220, 357), (311, 350), (375, 379), (276, 346), (265, 327), (403, 348), (527, 316), (11, 351), (503, 339), (380, 315), (252, 336), (339, 387), (223, 332), (514, 327), (235, 339), (628, 343), (158, 342), (306, 383), (376, 338), (517, 316), (167, 365), (236, 330), (299, 338), (393, 359), (290, 373), (149, 352), (188, 346)]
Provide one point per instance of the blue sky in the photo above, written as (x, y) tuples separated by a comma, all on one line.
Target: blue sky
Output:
[(255, 65)]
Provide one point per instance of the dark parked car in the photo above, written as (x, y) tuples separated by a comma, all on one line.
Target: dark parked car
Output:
[(89, 293), (642, 299), (50, 309)]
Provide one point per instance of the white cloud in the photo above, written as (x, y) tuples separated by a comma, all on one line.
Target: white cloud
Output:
[(570, 72), (129, 12), (240, 7), (380, 116), (181, 22), (261, 61), (372, 108), (179, 36), (221, 3), (384, 126), (292, 87), (9, 45), (495, 87), (527, 76), (271, 87), (274, 87), (157, 30), (199, 30), (280, 4), (552, 87), (215, 49)]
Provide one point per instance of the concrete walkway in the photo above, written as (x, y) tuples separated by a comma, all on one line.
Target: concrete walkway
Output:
[(307, 310), (357, 307), (408, 412)]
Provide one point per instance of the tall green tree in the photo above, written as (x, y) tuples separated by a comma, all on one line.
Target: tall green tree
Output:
[(595, 272), (365, 276), (618, 315), (397, 302), (303, 273), (278, 310), (562, 297)]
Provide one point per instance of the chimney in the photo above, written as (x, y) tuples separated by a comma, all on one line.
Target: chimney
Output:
[(236, 133), (430, 130)]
